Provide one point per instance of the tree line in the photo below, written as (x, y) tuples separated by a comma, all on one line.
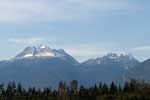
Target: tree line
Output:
[(132, 90)]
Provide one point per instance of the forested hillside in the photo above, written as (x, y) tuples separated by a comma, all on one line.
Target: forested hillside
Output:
[(130, 91)]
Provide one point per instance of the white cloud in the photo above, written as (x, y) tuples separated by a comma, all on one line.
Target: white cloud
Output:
[(50, 10), (141, 52), (28, 41), (85, 52), (142, 48)]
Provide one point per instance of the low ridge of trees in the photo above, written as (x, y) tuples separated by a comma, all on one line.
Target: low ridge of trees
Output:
[(130, 91)]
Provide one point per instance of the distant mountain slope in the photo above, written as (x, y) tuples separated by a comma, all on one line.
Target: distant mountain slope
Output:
[(139, 72), (45, 52), (111, 67), (126, 61), (39, 67), (42, 67)]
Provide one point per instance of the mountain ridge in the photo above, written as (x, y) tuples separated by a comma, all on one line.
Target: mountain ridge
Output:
[(44, 70)]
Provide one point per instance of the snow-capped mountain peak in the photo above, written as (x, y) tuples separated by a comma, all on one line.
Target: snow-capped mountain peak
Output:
[(41, 51), (124, 59), (115, 56), (112, 56)]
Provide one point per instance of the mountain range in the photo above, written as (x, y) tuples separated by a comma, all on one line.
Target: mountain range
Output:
[(42, 67)]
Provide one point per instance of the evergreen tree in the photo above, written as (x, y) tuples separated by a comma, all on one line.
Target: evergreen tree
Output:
[(131, 91), (119, 89), (9, 90), (19, 88), (113, 88), (1, 89), (126, 87), (104, 89)]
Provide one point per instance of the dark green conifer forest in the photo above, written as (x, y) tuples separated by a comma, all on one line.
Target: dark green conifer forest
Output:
[(132, 90)]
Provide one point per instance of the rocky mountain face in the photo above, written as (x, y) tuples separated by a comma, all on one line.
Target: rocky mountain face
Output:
[(140, 72), (42, 67), (111, 67), (39, 66), (45, 52)]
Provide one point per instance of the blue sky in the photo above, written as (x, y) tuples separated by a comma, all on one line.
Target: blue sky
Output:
[(84, 28)]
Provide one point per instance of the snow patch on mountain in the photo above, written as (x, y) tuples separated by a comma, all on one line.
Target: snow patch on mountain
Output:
[(45, 54), (41, 51), (28, 55), (124, 59), (42, 46)]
